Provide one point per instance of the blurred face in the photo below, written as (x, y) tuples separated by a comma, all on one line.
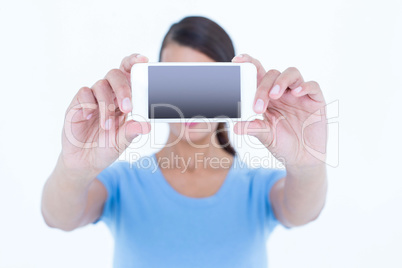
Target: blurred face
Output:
[(196, 133)]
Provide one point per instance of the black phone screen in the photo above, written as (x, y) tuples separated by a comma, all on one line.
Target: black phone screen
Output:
[(193, 91)]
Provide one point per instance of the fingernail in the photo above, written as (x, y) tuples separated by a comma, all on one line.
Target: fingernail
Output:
[(238, 56), (298, 89), (89, 116), (259, 106), (136, 58), (126, 105), (139, 56), (275, 90), (108, 124)]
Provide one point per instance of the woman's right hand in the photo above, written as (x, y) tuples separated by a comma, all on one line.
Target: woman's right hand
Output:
[(95, 129)]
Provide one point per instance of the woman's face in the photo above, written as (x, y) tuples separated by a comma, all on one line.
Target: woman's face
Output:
[(196, 133)]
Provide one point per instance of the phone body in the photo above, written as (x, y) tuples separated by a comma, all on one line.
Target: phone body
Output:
[(193, 91)]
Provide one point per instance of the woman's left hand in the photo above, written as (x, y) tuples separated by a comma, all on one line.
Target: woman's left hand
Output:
[(294, 127)]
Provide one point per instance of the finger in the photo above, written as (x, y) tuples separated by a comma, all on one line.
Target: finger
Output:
[(104, 96), (261, 129), (129, 131), (129, 61), (87, 101), (81, 106), (247, 58), (261, 96), (133, 128), (310, 88), (121, 88), (290, 78)]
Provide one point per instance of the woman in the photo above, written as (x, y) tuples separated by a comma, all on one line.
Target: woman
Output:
[(194, 212)]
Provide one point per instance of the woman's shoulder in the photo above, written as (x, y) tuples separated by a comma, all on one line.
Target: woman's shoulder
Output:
[(255, 182), (123, 168), (256, 173)]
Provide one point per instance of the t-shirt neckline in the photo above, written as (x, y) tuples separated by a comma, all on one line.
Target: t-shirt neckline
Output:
[(195, 201)]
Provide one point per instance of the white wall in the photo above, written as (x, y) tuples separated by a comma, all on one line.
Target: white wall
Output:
[(49, 49)]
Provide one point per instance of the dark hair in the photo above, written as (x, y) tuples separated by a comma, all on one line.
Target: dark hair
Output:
[(209, 38)]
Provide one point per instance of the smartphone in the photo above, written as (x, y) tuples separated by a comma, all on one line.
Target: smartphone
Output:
[(193, 91)]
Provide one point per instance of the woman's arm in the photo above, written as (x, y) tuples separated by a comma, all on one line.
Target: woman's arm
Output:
[(299, 198), (95, 133), (71, 199), (294, 130)]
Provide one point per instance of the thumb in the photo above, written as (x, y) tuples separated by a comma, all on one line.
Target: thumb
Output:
[(129, 130), (261, 129)]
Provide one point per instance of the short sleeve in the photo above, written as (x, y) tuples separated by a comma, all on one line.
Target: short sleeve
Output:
[(266, 178), (109, 178)]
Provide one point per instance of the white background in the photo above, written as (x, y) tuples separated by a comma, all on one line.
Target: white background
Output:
[(49, 49)]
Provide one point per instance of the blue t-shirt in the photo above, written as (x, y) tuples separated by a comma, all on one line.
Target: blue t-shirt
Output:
[(155, 226)]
